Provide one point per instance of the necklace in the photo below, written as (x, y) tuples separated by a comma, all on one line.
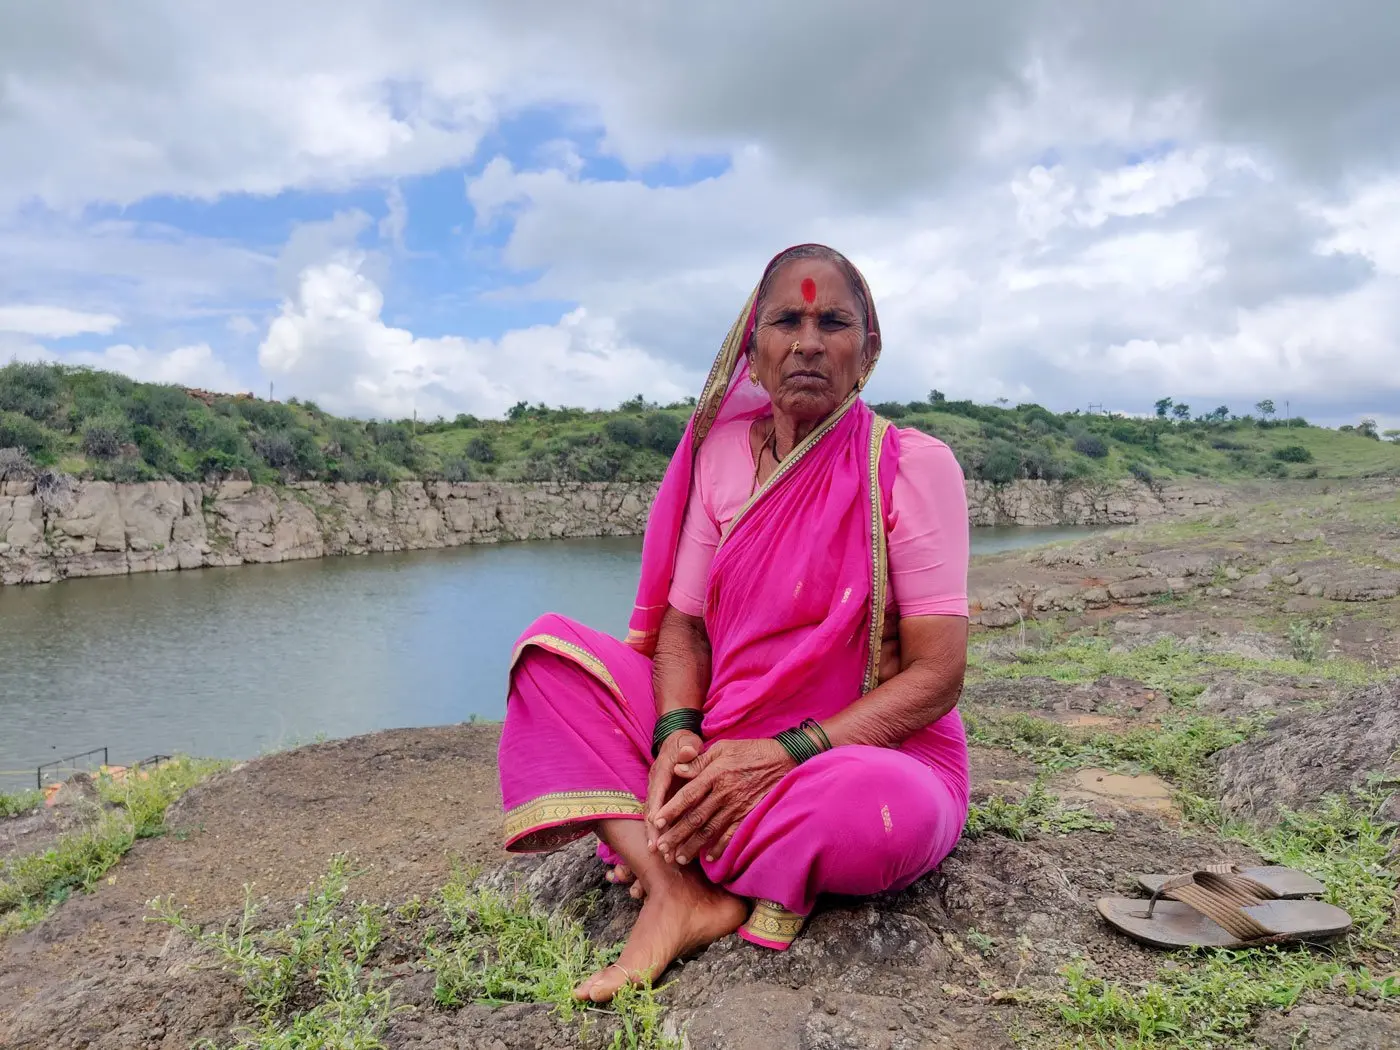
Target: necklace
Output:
[(769, 445)]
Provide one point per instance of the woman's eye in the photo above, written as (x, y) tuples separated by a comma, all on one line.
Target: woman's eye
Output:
[(833, 324)]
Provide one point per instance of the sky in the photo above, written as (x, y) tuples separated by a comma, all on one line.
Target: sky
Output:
[(450, 206)]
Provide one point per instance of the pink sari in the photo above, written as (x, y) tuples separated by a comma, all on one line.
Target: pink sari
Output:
[(794, 611)]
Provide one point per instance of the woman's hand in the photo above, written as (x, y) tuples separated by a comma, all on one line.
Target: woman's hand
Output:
[(726, 782), (662, 782)]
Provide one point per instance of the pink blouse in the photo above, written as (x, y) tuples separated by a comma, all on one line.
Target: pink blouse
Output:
[(928, 528)]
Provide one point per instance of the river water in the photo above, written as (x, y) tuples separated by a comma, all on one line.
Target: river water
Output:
[(234, 662)]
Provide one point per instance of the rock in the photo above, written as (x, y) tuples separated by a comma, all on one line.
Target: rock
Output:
[(1333, 1027), (1305, 756), (1232, 573), (1126, 590), (1260, 581)]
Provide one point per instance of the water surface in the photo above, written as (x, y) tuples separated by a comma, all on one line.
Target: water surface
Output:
[(232, 662)]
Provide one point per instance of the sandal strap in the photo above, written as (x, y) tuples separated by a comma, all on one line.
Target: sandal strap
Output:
[(1234, 873), (1218, 898)]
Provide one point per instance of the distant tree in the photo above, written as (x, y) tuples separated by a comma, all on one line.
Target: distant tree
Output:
[(936, 397), (1003, 401), (517, 410), (1265, 408), (1163, 407), (1293, 454), (1181, 412), (1220, 414), (480, 450), (662, 432), (466, 422), (1367, 428), (1393, 436)]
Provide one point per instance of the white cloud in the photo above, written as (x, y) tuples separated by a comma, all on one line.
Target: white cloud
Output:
[(331, 343), (54, 322)]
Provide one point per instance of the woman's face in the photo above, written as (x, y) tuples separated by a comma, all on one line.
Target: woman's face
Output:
[(809, 345)]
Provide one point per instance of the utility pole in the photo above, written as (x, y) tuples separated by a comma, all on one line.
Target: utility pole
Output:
[(270, 387), (1287, 415)]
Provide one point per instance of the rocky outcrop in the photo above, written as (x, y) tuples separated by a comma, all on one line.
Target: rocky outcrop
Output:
[(100, 528), (1307, 755), (106, 529), (1046, 504)]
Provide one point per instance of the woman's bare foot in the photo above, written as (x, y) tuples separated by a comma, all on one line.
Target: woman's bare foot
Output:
[(683, 913)]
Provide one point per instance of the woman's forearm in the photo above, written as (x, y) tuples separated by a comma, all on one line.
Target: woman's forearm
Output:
[(926, 688), (681, 668)]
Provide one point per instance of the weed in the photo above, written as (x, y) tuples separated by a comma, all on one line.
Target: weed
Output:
[(1176, 750), (32, 886), (319, 956), (1305, 641), (12, 804), (1039, 813), (501, 949)]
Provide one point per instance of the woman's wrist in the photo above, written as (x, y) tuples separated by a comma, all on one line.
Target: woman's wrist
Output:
[(680, 719), (805, 741)]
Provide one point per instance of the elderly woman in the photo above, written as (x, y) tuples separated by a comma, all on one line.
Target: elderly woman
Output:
[(780, 721)]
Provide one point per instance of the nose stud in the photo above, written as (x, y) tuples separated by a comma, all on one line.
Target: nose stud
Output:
[(796, 345)]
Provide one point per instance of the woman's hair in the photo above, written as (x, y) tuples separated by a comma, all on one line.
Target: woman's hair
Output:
[(818, 251)]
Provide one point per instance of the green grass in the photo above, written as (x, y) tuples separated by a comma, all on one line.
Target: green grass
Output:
[(1212, 999), (317, 958), (1037, 813), (15, 803), (500, 949), (33, 885), (1178, 750), (1182, 672)]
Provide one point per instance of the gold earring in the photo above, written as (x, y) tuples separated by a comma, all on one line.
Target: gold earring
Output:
[(753, 376)]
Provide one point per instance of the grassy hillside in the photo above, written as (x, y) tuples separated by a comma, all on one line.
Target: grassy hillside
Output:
[(102, 425)]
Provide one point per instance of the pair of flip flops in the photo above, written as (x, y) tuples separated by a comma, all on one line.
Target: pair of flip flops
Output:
[(1226, 906)]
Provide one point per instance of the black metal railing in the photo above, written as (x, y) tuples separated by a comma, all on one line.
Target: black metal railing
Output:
[(69, 763)]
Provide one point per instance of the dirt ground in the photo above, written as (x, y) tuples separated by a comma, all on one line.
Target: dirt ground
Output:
[(898, 972)]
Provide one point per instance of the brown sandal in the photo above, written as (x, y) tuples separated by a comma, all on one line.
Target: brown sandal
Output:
[(1208, 910), (1270, 882)]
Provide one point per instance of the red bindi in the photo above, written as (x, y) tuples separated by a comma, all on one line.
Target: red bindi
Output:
[(809, 290)]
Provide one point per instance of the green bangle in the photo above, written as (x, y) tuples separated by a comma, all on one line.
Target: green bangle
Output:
[(687, 718), (799, 746), (813, 726)]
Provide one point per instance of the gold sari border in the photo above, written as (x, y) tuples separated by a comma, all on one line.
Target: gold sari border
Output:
[(879, 555), (771, 925), (569, 651), (550, 821)]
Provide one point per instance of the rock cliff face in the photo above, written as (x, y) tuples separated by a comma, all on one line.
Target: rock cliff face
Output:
[(98, 528)]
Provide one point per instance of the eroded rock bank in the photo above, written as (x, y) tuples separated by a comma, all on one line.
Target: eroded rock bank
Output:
[(98, 528)]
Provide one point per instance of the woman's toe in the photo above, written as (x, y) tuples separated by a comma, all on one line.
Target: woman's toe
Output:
[(638, 891)]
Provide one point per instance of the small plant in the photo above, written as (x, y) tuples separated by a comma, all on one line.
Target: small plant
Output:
[(501, 949), (317, 957), (1305, 641), (1038, 813), (1293, 454), (12, 804)]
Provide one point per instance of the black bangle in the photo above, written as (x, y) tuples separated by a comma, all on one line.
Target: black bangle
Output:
[(799, 746), (813, 726), (687, 718)]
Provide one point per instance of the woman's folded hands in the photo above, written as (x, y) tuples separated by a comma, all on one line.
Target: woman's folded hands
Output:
[(725, 783)]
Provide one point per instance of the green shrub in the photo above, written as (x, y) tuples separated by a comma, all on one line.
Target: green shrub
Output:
[(625, 431), (19, 431), (103, 437), (1293, 454), (480, 450), (890, 409), (458, 470), (1001, 465), (1140, 472), (662, 432), (276, 450), (1091, 445), (32, 390)]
